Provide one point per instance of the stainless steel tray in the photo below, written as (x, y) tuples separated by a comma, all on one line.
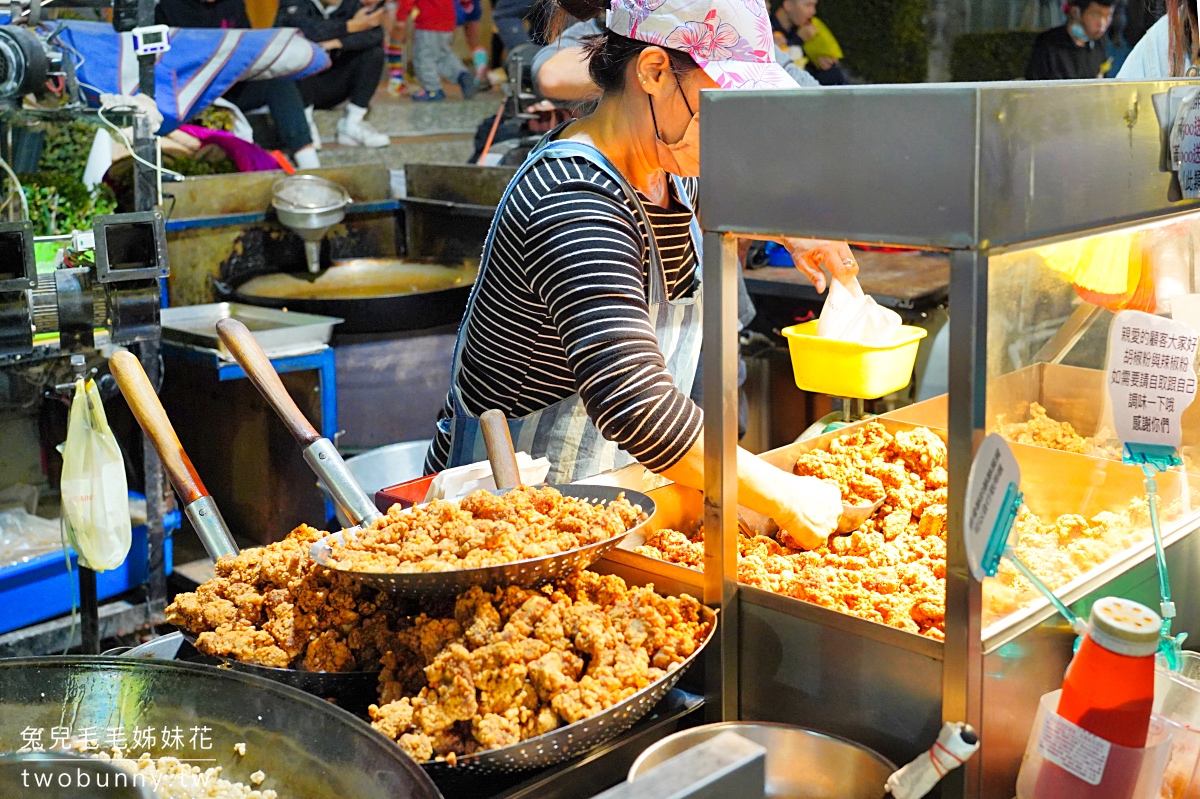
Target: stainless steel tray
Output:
[(523, 573), (277, 332), (572, 740)]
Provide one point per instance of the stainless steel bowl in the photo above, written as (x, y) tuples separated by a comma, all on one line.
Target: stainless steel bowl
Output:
[(801, 764)]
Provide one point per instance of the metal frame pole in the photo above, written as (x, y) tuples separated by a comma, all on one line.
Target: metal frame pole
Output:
[(962, 664), (720, 467), (89, 613), (146, 199)]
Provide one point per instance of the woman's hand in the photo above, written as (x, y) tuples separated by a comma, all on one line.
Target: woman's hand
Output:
[(330, 45), (826, 62), (812, 254), (808, 510)]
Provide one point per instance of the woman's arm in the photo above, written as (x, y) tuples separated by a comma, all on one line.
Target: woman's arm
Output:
[(805, 508)]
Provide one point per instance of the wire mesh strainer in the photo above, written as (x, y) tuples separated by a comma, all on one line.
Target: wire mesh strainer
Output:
[(572, 740), (523, 573)]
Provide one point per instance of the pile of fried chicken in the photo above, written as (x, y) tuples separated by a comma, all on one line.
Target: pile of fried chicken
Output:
[(1042, 431), (516, 663), (273, 606), (483, 529), (893, 569), (1061, 550)]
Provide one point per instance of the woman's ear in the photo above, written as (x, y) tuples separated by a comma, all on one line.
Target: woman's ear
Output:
[(654, 73)]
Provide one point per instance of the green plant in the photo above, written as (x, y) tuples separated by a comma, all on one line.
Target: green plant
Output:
[(995, 55), (66, 147), (215, 118), (59, 203), (885, 41)]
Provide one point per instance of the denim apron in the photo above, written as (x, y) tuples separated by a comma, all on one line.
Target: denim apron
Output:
[(563, 432)]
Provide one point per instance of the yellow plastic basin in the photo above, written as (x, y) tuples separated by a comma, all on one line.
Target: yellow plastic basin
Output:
[(849, 369)]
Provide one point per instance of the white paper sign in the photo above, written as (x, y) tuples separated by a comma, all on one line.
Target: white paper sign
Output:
[(1074, 749), (992, 471), (1151, 377), (1185, 146)]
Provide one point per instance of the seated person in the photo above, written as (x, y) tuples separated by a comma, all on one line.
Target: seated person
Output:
[(351, 33), (809, 41), (1076, 50), (560, 70), (280, 95)]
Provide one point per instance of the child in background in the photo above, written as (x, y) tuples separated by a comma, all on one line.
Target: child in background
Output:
[(470, 12), (432, 58), (393, 50)]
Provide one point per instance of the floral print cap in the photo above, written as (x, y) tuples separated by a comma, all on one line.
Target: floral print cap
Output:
[(729, 39)]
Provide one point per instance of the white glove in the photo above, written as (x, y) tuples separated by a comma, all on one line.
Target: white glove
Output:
[(810, 510)]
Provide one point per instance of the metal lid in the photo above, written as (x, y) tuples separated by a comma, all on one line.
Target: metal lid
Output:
[(1125, 627), (308, 194)]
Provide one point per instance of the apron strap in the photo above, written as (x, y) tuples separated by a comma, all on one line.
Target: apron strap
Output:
[(694, 227)]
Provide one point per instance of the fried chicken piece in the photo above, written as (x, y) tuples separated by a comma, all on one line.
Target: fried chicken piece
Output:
[(494, 731), (554, 673), (186, 611), (450, 696), (245, 645), (418, 746), (539, 723), (672, 546), (499, 673), (476, 614), (427, 637), (329, 652), (393, 719)]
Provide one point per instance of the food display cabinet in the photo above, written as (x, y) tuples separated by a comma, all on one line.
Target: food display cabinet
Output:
[(1050, 203)]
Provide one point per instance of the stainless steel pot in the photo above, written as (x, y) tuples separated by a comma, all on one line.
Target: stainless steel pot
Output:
[(307, 748), (801, 763)]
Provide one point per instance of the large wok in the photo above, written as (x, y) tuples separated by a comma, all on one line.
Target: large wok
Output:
[(372, 295), (308, 748)]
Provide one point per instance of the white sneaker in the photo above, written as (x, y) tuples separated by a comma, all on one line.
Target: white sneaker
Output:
[(360, 134), (312, 128)]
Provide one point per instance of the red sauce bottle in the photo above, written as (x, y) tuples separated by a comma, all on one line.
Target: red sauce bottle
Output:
[(1109, 686), (1108, 691)]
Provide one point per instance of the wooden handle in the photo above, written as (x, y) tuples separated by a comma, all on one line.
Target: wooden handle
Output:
[(245, 350), (148, 411), (501, 455)]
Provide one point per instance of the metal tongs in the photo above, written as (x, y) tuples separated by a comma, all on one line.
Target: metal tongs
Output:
[(199, 506), (319, 452)]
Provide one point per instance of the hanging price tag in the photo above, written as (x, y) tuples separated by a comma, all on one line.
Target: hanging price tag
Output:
[(1151, 379), (993, 500)]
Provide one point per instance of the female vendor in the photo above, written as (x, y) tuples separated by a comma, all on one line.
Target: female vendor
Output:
[(584, 325)]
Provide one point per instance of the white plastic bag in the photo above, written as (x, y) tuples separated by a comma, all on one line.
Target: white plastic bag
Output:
[(459, 481), (95, 495), (850, 315)]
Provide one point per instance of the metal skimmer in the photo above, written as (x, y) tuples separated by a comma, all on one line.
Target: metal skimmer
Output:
[(522, 573), (575, 739)]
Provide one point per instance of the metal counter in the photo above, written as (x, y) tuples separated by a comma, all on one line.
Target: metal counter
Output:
[(973, 171)]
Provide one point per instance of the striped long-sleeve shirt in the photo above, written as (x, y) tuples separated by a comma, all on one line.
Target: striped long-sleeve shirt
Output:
[(562, 309)]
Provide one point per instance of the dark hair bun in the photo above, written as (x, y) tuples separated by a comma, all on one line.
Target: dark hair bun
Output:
[(583, 10)]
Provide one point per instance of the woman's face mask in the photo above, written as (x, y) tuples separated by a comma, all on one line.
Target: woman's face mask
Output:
[(683, 157)]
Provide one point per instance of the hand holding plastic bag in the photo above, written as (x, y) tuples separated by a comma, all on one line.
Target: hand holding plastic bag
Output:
[(95, 495)]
